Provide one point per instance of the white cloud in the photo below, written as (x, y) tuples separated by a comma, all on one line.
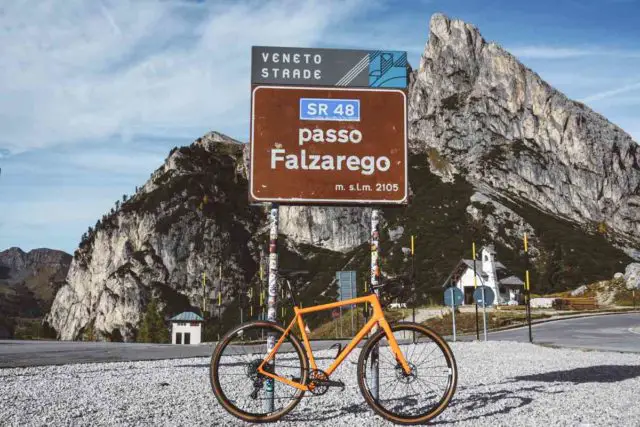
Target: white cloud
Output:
[(560, 52), (612, 92), (77, 71)]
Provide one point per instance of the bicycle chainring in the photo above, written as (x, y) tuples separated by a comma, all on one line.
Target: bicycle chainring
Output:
[(317, 382)]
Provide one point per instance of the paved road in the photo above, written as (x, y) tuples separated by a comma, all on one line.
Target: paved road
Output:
[(17, 353), (613, 332)]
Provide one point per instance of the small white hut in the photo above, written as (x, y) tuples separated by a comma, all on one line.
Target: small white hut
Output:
[(186, 328), (490, 272)]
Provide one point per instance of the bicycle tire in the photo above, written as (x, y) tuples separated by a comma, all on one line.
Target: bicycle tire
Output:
[(376, 404), (215, 376)]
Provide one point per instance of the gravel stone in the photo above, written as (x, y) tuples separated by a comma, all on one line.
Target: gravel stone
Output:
[(500, 384)]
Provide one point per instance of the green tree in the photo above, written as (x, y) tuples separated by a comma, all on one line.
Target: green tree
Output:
[(89, 333), (152, 327)]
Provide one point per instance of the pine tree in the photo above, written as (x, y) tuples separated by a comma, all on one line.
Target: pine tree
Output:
[(152, 328), (89, 333)]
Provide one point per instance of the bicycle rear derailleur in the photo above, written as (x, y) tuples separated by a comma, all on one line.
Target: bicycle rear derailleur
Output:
[(318, 382)]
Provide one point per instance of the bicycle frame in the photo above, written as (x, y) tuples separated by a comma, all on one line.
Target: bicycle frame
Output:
[(377, 317)]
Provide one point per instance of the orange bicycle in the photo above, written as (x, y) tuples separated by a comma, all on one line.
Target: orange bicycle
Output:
[(416, 371)]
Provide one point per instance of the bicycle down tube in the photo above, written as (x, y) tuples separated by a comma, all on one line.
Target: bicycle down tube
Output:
[(378, 317)]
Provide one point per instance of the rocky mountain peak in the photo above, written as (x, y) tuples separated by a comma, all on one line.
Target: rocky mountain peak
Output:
[(13, 258), (480, 112), (212, 139)]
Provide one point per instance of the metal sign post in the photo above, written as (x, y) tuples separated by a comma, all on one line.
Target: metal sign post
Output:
[(273, 292), (453, 315), (484, 314), (453, 297), (375, 276), (484, 297), (475, 285)]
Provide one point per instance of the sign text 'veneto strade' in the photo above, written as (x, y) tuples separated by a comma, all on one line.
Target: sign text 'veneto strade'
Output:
[(328, 67), (328, 145)]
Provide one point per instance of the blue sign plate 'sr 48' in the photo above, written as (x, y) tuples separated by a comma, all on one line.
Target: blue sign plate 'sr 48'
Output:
[(330, 109)]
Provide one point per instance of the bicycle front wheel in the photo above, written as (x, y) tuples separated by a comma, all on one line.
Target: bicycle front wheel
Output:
[(235, 380), (408, 398)]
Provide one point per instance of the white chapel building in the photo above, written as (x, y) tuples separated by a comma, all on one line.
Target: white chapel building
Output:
[(507, 288), (186, 328)]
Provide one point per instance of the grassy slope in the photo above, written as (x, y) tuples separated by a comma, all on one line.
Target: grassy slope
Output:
[(466, 322), (571, 256)]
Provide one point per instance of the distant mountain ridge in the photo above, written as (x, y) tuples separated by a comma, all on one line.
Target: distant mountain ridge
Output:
[(494, 152), (29, 282)]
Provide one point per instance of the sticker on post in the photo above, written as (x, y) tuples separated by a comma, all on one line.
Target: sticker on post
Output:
[(343, 110)]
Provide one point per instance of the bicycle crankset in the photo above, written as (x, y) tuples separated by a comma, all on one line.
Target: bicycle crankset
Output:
[(318, 382)]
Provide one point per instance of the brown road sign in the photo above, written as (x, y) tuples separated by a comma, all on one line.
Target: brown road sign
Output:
[(321, 145)]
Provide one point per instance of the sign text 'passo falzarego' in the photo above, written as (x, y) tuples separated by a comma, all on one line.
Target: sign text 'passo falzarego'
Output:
[(326, 145)]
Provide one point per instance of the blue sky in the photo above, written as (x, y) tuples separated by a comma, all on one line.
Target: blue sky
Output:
[(93, 94)]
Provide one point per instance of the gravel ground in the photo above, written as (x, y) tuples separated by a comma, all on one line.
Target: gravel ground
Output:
[(500, 384)]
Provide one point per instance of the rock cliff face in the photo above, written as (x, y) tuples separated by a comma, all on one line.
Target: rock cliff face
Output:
[(515, 137), (495, 152), (336, 229), (191, 217)]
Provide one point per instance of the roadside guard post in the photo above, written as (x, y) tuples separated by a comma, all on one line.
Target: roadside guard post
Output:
[(453, 298), (414, 297), (527, 291), (328, 127)]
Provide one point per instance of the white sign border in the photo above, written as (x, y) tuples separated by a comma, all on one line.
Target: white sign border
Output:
[(401, 201)]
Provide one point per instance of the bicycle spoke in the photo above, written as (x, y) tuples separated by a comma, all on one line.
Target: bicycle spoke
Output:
[(242, 387), (418, 395)]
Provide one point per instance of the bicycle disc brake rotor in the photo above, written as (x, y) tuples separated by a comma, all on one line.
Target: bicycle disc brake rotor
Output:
[(403, 376), (317, 382)]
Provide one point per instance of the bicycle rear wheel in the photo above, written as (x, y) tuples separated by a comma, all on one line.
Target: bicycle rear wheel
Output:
[(235, 380), (419, 396)]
